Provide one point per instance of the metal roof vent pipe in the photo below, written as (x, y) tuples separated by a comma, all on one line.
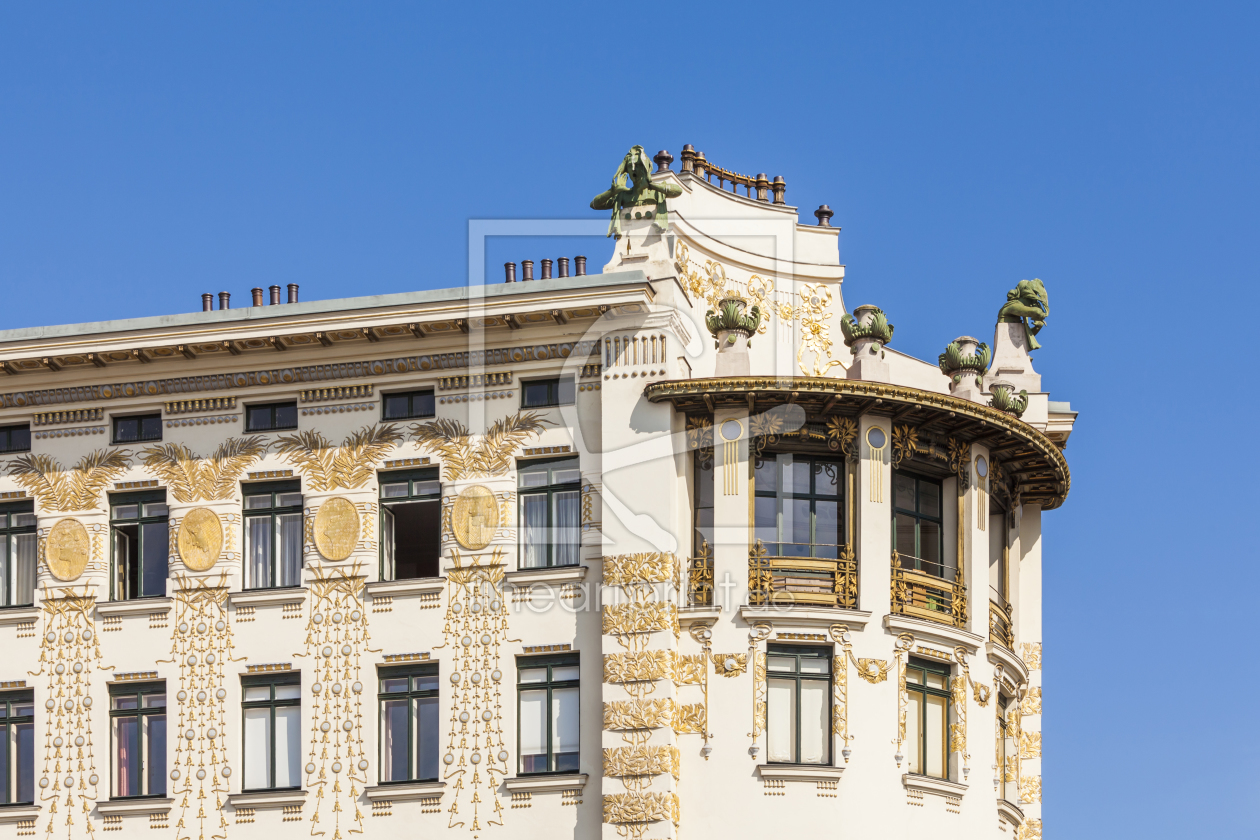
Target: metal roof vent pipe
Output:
[(225, 300), (256, 292), (564, 266), (823, 214), (579, 264), (293, 290), (207, 302), (275, 294), (546, 270), (509, 272), (527, 270)]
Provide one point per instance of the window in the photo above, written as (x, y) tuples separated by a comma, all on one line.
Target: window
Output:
[(1005, 776), (15, 438), (140, 427), (141, 538), (541, 393), (409, 724), (797, 508), (798, 705), (551, 512), (917, 531), (273, 731), (927, 718), (19, 548), (407, 405), (273, 535), (270, 417), (411, 524), (17, 753), (137, 726), (548, 714), (703, 513)]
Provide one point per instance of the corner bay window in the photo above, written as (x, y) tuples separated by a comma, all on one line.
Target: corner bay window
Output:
[(138, 428), (798, 705), (548, 714), (137, 725), (797, 508), (409, 724), (19, 548), (273, 535), (927, 718), (17, 753), (411, 524), (917, 528), (273, 731), (141, 540), (551, 512)]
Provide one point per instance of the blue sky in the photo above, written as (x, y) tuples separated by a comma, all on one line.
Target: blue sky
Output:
[(149, 153)]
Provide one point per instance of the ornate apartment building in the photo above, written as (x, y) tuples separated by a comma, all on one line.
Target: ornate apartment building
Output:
[(679, 547)]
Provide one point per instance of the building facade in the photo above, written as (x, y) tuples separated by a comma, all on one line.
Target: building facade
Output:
[(678, 547)]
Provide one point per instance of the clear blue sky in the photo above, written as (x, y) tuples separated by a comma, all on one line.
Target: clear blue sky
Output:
[(149, 153)]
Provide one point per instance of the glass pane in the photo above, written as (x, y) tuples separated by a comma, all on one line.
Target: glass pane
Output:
[(155, 754), (126, 429), (534, 514), (914, 675), (533, 675), (815, 720), (827, 477), (422, 405), (258, 551), (4, 754), (257, 418), (781, 663), (533, 732), (20, 441), (394, 746), (912, 749), (292, 691), (25, 749), (257, 746), (23, 520), (256, 502), (795, 530), (935, 727), (566, 390), (568, 527), (289, 549), (25, 553), (903, 491), (155, 701), (935, 680), (23, 709), (425, 682), (566, 476), (904, 537), (534, 478), (766, 526), (126, 511), (561, 673), (289, 500), (564, 729), (929, 499), (286, 416), (154, 538), (124, 702), (5, 577), (396, 407), (288, 746), (150, 428), (126, 756), (428, 737), (394, 684), (539, 393), (781, 721), (155, 509), (394, 491), (766, 478), (815, 665), (256, 693), (826, 525), (427, 488), (930, 546), (795, 475)]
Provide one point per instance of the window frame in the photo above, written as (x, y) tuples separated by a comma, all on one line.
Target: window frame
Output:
[(272, 680), (139, 691), (411, 403), (140, 499), (780, 494), (6, 438), (425, 669), (412, 477), (550, 662), (276, 489), (561, 390), (8, 553), (11, 777), (703, 472), (550, 490), (926, 666), (140, 418), (825, 655), (271, 407), (919, 562)]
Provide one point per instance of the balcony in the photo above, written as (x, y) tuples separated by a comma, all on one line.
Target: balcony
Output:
[(1001, 630), (700, 578), (920, 589), (806, 581)]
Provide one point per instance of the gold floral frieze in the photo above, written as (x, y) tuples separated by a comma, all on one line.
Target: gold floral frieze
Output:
[(624, 715), (650, 567), (643, 666), (641, 760), (59, 490), (191, 478), (349, 465), (730, 664), (465, 455), (633, 808)]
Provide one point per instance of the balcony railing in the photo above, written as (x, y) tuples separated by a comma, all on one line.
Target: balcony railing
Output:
[(700, 578), (1000, 627), (806, 581), (919, 594)]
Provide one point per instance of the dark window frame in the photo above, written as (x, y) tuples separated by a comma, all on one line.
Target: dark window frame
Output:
[(140, 436), (9, 794), (561, 390), (925, 666), (411, 404), (140, 499), (272, 680), (824, 655), (781, 495), (703, 471), (7, 434), (412, 477), (139, 691), (274, 511), (8, 531), (549, 490), (550, 662), (410, 672), (271, 425), (919, 564)]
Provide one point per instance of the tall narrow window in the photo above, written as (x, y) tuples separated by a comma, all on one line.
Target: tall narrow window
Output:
[(137, 428), (141, 539), (551, 513), (798, 705), (548, 714), (703, 513), (1007, 750), (273, 535), (137, 726), (410, 733), (917, 531), (927, 718), (19, 548), (411, 524), (408, 405), (797, 510), (15, 438), (273, 731), (17, 753)]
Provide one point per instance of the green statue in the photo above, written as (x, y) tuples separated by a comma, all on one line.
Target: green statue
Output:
[(1028, 304), (632, 187)]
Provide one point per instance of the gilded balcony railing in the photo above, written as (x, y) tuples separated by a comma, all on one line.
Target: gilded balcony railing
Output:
[(807, 581), (1000, 627), (918, 594), (700, 578)]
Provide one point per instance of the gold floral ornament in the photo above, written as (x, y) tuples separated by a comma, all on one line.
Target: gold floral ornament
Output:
[(59, 490), (336, 528), (350, 465), (200, 539), (638, 714), (66, 550), (190, 478), (815, 331), (492, 454), (475, 517), (730, 664)]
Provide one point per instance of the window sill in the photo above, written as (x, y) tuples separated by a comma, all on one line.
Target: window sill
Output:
[(266, 799), (18, 615), (800, 772), (17, 813), (804, 616), (546, 783), (1010, 812), (1012, 666), (134, 606), (265, 597), (134, 805), (927, 631), (407, 586), (931, 784), (547, 574), (688, 616), (404, 791)]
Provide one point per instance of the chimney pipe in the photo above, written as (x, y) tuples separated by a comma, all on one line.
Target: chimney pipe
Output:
[(257, 293), (527, 270), (564, 266), (579, 266), (663, 159), (275, 294), (546, 270), (293, 290), (225, 300), (207, 302), (778, 187), (823, 214), (509, 272)]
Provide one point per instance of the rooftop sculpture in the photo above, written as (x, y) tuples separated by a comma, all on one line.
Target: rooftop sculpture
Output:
[(632, 187), (1028, 304)]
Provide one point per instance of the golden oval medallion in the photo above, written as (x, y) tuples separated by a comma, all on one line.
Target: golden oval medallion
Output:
[(336, 528), (67, 549), (200, 539), (475, 517)]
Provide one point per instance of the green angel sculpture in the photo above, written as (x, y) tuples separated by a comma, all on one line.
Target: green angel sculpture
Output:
[(1028, 304), (632, 187)]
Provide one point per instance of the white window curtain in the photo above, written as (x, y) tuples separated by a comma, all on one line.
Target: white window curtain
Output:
[(387, 541), (535, 515), (564, 721), (258, 552), (288, 746), (533, 730), (568, 530), (934, 737), (815, 710), (394, 741), (781, 721), (289, 550), (26, 551), (257, 749)]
